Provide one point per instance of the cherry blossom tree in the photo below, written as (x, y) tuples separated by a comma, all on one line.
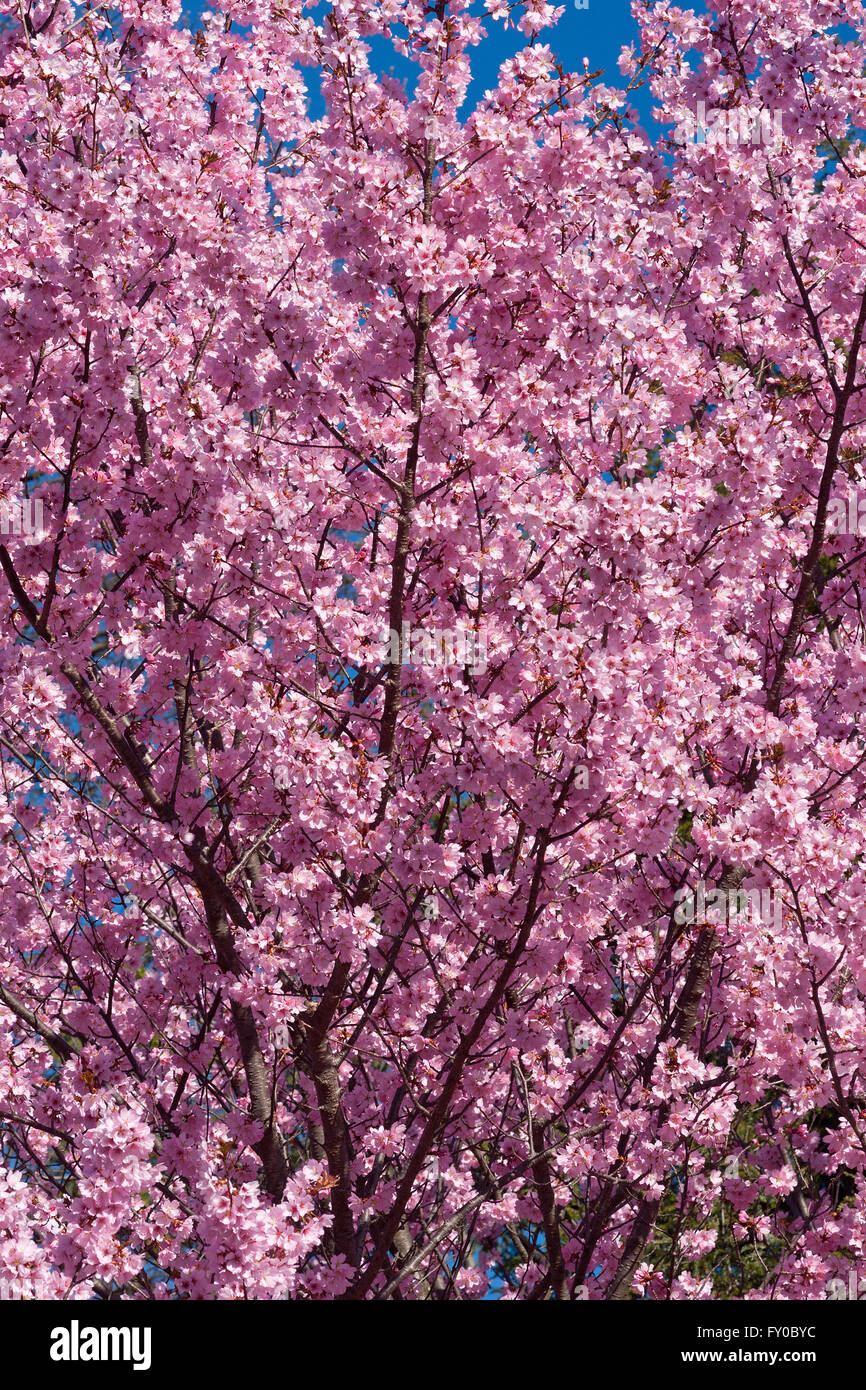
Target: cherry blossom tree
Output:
[(332, 973)]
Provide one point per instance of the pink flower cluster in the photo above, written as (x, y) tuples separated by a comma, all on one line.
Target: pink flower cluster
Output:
[(328, 977)]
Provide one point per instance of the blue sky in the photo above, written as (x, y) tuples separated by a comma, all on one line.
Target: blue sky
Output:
[(598, 33)]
